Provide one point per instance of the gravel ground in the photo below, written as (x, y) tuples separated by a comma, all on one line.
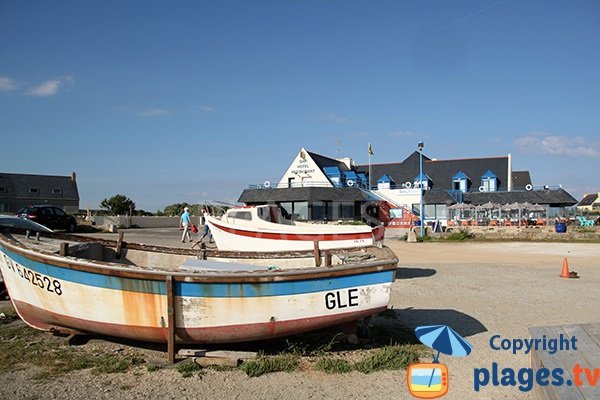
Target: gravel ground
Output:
[(480, 289)]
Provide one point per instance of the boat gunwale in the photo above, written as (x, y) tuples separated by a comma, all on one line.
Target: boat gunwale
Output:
[(125, 271)]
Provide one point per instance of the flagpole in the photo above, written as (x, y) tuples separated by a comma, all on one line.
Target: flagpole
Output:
[(370, 151), (369, 170)]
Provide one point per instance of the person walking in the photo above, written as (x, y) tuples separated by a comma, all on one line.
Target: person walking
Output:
[(206, 231), (185, 222)]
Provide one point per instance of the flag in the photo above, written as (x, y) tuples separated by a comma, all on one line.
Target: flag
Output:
[(370, 150)]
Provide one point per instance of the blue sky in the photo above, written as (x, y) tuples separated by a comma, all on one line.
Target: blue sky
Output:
[(173, 101)]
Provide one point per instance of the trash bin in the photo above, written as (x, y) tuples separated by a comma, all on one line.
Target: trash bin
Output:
[(560, 227)]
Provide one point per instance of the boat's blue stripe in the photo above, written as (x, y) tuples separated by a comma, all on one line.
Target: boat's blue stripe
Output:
[(190, 289)]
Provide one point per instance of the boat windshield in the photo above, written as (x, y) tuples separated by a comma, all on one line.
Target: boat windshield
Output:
[(240, 215), (270, 214)]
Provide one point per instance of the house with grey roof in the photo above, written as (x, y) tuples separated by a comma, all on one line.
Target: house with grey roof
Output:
[(590, 202), (20, 190)]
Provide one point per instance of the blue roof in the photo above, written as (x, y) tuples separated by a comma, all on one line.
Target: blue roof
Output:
[(351, 175), (332, 171), (489, 174), (423, 177), (385, 178), (460, 175)]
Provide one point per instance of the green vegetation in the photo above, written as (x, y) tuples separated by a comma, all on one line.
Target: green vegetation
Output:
[(384, 345), (187, 369), (10, 315), (21, 347), (153, 368), (286, 362), (118, 205), (332, 365), (393, 357), (460, 235)]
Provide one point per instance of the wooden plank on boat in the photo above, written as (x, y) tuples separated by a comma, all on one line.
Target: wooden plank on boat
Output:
[(328, 259), (587, 355), (317, 254), (119, 245), (199, 265), (170, 320), (64, 249), (222, 357)]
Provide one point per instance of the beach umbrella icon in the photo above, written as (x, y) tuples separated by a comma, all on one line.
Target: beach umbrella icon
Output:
[(443, 339)]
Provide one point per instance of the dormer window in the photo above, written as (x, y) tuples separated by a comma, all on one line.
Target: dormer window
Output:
[(351, 178), (362, 178), (489, 182), (334, 174), (422, 181), (460, 182), (385, 182)]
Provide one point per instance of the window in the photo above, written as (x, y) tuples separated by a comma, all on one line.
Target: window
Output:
[(241, 215), (301, 210), (489, 185), (460, 182), (422, 181), (489, 182), (3, 189), (57, 191), (396, 213), (34, 190), (318, 211), (334, 174), (346, 210)]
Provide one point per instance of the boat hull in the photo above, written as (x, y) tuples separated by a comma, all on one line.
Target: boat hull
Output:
[(63, 294), (231, 237)]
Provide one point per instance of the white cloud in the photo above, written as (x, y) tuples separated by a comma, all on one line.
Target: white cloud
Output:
[(154, 112), (206, 110), (7, 84), (545, 143), (49, 88)]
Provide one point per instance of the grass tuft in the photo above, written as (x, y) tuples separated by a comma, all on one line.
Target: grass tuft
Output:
[(333, 365), (285, 362), (393, 357), (460, 235), (188, 369)]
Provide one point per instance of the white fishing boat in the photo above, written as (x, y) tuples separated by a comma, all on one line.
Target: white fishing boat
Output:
[(264, 229), (74, 284)]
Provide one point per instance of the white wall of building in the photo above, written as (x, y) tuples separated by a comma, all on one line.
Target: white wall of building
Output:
[(304, 172), (399, 197)]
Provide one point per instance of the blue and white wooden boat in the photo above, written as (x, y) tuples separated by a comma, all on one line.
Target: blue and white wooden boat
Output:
[(71, 284)]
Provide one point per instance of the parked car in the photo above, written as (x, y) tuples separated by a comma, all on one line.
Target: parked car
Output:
[(50, 216)]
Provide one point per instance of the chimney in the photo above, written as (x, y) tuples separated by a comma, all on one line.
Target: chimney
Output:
[(509, 184), (73, 177), (348, 161)]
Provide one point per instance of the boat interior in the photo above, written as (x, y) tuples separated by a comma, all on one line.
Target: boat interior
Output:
[(197, 259)]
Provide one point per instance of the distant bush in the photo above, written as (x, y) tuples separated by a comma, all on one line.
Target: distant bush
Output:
[(462, 234)]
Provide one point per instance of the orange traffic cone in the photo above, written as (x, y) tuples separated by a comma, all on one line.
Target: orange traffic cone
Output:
[(565, 270)]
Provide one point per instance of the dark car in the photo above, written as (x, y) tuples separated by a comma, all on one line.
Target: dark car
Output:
[(49, 216)]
